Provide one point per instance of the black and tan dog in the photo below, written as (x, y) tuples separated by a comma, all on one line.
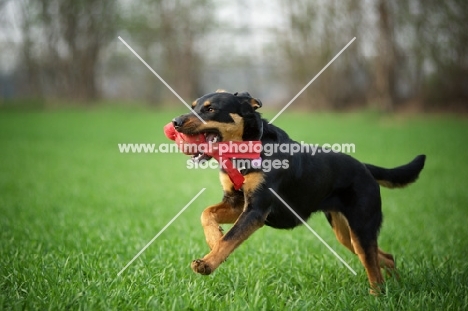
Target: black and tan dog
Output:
[(346, 190)]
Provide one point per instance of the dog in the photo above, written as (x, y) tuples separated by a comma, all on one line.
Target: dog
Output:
[(346, 190)]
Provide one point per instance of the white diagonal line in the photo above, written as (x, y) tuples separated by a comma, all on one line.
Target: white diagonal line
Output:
[(162, 80), (160, 232), (310, 82), (315, 233)]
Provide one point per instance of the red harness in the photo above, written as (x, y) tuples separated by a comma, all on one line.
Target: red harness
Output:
[(213, 150)]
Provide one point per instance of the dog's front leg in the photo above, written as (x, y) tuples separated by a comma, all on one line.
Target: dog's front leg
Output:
[(248, 222), (225, 212)]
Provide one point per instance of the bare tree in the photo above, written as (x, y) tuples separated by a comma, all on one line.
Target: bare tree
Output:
[(445, 33), (420, 50), (432, 40), (62, 43), (169, 33), (385, 60), (315, 33), (419, 54)]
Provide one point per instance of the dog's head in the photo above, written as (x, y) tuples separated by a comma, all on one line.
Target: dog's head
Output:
[(228, 117)]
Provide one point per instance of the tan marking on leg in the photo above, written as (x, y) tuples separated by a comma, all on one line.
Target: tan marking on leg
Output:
[(223, 249), (213, 216), (226, 182), (387, 263), (252, 182), (247, 223), (369, 259), (342, 231)]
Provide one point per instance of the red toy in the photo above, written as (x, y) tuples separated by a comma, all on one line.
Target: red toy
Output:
[(225, 159), (182, 139)]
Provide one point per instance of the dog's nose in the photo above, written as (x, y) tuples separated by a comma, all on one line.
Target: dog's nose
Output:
[(177, 122)]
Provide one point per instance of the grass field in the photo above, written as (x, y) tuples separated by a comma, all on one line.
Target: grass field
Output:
[(74, 212)]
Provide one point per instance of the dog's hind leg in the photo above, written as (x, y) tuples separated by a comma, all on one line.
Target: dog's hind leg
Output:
[(342, 231), (368, 255), (387, 262), (340, 226), (364, 218)]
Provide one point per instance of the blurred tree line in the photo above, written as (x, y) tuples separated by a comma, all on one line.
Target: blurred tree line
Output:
[(407, 52), (414, 52)]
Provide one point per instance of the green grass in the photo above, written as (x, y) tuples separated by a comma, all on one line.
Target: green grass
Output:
[(74, 212)]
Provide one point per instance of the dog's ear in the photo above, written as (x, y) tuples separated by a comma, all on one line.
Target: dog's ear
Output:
[(254, 103), (253, 124), (253, 127)]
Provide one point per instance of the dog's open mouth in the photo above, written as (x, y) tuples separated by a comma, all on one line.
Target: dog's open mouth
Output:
[(210, 138)]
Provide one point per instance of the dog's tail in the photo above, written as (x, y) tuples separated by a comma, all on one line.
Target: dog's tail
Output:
[(399, 176)]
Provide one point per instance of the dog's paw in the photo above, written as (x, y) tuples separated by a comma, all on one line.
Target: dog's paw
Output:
[(377, 290), (199, 266)]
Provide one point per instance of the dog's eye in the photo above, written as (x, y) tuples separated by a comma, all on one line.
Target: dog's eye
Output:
[(209, 109)]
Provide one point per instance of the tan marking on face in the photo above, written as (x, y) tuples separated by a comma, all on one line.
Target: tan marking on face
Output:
[(206, 103), (191, 124), (194, 104), (229, 131)]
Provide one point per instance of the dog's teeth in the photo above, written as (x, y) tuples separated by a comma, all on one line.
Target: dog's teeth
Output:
[(197, 157)]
